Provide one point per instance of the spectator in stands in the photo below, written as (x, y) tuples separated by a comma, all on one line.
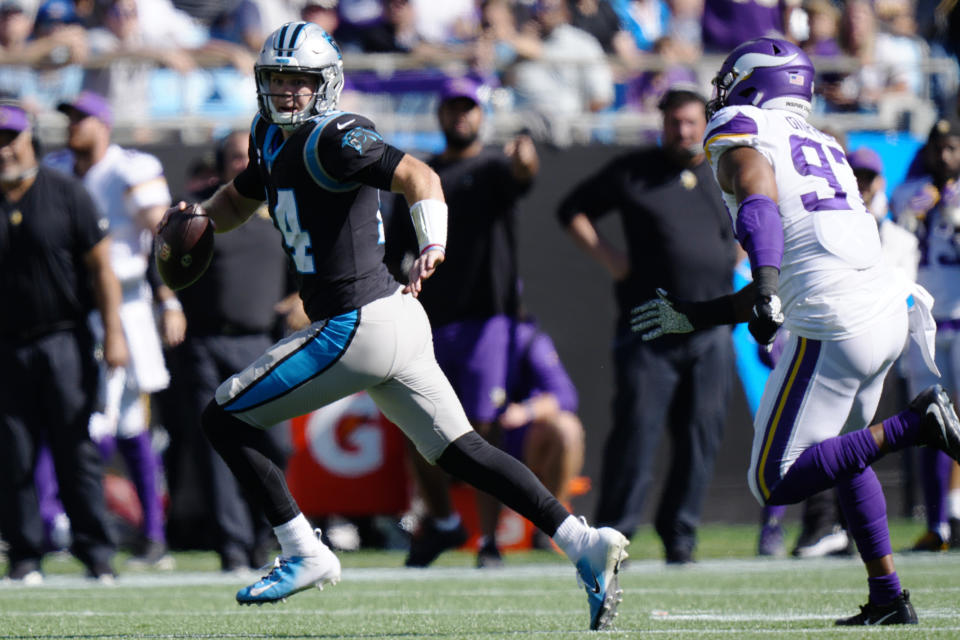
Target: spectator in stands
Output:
[(239, 22), (685, 25), (21, 55), (551, 87), (899, 48), (887, 63), (645, 20), (321, 12), (131, 193), (729, 23), (54, 267), (823, 18), (445, 24), (600, 19), (645, 90), (129, 57), (230, 321)]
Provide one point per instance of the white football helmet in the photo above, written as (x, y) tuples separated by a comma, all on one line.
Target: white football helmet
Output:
[(299, 47)]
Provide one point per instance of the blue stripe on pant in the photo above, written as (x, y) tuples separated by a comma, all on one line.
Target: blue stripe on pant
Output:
[(313, 358)]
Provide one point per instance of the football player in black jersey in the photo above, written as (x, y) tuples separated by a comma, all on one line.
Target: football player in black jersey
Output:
[(320, 171)]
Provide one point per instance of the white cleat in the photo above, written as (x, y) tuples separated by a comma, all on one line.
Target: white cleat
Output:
[(597, 572), (290, 575)]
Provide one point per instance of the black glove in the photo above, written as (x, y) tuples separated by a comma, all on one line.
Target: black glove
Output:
[(767, 318)]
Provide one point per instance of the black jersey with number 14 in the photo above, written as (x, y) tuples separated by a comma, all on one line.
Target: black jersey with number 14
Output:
[(322, 188)]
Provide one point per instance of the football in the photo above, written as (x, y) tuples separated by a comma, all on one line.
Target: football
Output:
[(184, 247)]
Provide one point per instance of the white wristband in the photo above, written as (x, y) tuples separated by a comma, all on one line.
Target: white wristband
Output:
[(171, 304), (430, 222)]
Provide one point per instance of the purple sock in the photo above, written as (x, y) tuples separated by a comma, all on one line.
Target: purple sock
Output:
[(884, 589), (865, 509), (936, 468), (107, 445), (47, 488), (821, 466), (143, 467), (773, 514), (900, 430)]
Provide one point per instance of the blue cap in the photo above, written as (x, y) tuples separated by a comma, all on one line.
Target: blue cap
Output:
[(56, 12)]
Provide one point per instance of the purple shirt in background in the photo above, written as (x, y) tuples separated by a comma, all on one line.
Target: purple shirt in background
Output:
[(535, 368), (729, 23)]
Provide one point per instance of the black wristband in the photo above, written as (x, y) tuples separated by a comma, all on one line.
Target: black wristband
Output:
[(767, 281)]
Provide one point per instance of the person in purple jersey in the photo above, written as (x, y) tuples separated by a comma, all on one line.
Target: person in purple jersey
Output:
[(321, 170), (786, 187)]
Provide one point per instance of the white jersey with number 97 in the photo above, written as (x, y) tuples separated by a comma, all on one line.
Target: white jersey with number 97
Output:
[(833, 280)]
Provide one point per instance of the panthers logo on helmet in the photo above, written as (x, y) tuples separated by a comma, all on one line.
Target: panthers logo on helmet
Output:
[(360, 139)]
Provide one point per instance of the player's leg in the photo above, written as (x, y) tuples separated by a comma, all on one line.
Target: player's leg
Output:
[(144, 469), (934, 465), (420, 400), (313, 367), (645, 380), (473, 355), (797, 452)]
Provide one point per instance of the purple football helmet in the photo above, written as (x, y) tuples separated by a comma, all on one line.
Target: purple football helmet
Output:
[(768, 73)]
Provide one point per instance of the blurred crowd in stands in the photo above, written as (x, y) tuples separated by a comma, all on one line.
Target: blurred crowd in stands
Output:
[(548, 62)]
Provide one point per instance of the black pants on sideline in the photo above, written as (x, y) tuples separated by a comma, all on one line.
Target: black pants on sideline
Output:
[(47, 395), (677, 384)]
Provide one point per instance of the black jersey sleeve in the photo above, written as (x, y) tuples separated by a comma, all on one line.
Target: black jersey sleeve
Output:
[(380, 173), (249, 182), (346, 145)]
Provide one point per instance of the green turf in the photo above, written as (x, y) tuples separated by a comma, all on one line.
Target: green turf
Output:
[(727, 594)]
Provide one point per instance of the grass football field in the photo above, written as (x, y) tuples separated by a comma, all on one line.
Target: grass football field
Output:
[(728, 593)]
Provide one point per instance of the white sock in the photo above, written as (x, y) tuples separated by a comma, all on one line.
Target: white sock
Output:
[(449, 523), (574, 536), (297, 537), (953, 503)]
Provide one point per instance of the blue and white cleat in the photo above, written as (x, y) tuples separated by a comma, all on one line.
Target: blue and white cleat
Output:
[(597, 572), (291, 575)]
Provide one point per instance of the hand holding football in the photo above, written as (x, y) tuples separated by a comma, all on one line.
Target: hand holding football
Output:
[(184, 245)]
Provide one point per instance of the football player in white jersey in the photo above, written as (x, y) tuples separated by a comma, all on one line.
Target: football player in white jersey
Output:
[(817, 269), (131, 192)]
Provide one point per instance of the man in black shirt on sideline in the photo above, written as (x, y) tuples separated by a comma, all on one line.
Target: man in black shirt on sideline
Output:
[(678, 238), (54, 249)]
